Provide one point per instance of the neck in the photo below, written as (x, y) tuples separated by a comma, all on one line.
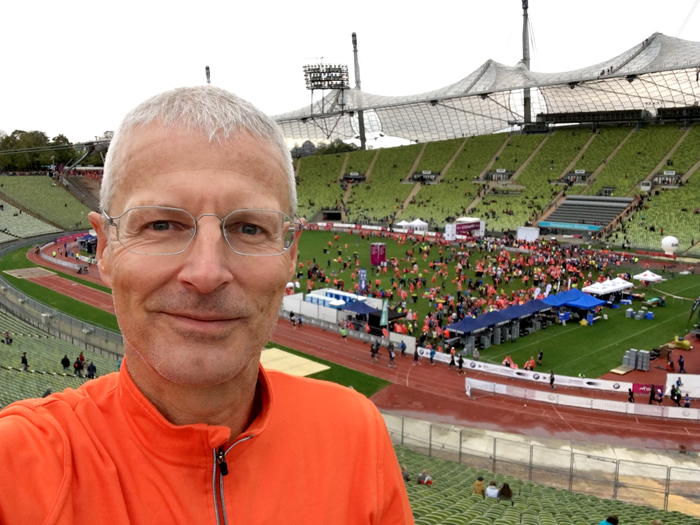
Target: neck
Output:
[(230, 404)]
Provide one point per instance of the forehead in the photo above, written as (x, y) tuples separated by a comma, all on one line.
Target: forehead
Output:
[(171, 166)]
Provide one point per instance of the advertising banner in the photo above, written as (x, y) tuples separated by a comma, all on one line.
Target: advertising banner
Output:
[(363, 280), (377, 253)]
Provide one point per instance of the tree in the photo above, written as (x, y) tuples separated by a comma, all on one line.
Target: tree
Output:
[(337, 146)]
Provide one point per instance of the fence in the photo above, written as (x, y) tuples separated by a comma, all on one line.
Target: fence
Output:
[(50, 320), (665, 487)]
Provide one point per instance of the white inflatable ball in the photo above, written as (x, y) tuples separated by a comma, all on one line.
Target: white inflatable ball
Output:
[(669, 244)]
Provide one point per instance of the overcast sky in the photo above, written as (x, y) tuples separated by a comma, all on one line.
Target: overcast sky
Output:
[(75, 67)]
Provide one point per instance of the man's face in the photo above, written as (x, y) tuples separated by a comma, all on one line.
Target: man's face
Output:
[(200, 317)]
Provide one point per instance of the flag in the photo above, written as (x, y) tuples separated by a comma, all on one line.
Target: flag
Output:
[(384, 319), (694, 308)]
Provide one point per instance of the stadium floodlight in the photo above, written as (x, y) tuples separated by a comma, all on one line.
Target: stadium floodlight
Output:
[(326, 76)]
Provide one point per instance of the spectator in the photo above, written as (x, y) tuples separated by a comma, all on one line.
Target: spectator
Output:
[(681, 365), (630, 395), (492, 490), (91, 369), (25, 363), (479, 486), (611, 520), (687, 400), (78, 368), (551, 379), (46, 393), (404, 473), (65, 363), (424, 478), (7, 339), (506, 493)]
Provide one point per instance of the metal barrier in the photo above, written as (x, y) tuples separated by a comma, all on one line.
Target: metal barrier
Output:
[(79, 333), (649, 484)]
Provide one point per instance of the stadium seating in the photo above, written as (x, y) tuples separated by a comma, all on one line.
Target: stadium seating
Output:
[(673, 210), (438, 154), (5, 238), (606, 140), (456, 190), (450, 500), (509, 212), (519, 148), (637, 158), (47, 199), (382, 195), (85, 189), (687, 153), (19, 224), (359, 161), (317, 184), (44, 353)]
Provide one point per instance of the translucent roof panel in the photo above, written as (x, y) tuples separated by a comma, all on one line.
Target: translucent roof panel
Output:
[(659, 72)]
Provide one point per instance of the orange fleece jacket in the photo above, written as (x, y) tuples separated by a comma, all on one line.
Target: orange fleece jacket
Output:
[(317, 453)]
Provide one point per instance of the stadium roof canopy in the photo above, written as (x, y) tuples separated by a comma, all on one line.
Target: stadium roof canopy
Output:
[(659, 72)]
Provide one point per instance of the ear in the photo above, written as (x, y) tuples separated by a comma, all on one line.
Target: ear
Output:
[(103, 262)]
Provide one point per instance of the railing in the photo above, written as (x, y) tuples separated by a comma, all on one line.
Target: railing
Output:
[(669, 487), (52, 321)]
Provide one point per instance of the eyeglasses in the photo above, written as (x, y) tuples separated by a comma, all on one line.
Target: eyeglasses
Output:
[(161, 230)]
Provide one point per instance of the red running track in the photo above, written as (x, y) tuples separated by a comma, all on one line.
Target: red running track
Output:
[(78, 291), (437, 394)]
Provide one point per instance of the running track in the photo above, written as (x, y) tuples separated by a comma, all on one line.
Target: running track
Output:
[(437, 394)]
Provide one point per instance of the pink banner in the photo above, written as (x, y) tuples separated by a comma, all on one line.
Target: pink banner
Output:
[(641, 388), (70, 238), (467, 228), (377, 253)]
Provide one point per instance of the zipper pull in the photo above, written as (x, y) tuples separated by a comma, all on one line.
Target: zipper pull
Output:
[(221, 460)]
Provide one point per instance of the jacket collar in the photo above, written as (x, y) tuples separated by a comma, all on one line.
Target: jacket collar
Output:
[(186, 445)]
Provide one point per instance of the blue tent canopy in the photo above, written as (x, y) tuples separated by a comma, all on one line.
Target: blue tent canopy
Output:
[(469, 325), (562, 298), (586, 301), (573, 298), (360, 308)]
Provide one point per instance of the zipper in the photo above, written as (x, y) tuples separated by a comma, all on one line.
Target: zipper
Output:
[(221, 468)]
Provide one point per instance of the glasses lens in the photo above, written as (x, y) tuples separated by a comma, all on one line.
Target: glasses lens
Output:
[(155, 230), (259, 232)]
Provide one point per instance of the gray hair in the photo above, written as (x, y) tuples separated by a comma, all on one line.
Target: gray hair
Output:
[(208, 110)]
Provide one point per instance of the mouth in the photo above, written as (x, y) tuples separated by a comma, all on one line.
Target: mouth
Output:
[(190, 322)]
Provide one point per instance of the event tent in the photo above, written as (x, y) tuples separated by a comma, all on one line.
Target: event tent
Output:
[(562, 298), (648, 276), (418, 225), (610, 286), (585, 301), (359, 307), (476, 324), (402, 223)]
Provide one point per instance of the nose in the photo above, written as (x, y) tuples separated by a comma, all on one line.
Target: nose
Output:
[(209, 259)]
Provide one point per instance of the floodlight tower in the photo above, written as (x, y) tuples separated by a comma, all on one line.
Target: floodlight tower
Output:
[(326, 77), (358, 84), (206, 69), (526, 61)]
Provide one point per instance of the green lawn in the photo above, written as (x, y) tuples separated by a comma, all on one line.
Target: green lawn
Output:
[(595, 350), (363, 383), (18, 259)]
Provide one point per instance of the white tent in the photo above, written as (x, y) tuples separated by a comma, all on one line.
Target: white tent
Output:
[(403, 223), (648, 276), (609, 286), (418, 225)]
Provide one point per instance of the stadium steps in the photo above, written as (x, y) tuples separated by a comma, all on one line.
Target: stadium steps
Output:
[(85, 190), (416, 162), (343, 167), (371, 165), (609, 158), (690, 172), (552, 207), (452, 160), (413, 193), (572, 164), (529, 159), (663, 161), (488, 167), (5, 197), (477, 200)]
